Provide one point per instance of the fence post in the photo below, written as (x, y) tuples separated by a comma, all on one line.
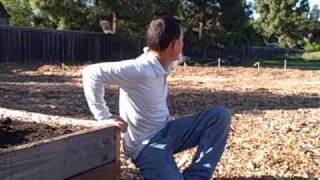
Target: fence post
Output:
[(285, 64)]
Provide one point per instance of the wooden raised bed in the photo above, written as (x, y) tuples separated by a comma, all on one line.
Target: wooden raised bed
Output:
[(91, 153)]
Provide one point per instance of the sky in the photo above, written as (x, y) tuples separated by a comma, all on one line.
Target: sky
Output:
[(311, 4)]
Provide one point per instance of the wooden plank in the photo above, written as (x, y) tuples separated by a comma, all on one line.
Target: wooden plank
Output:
[(61, 157), (110, 171), (51, 120)]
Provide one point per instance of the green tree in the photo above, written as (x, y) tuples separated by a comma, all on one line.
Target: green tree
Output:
[(201, 16), (139, 13), (314, 25), (106, 13), (129, 16), (284, 20), (202, 26), (315, 14), (234, 18), (221, 23), (110, 16), (63, 14), (20, 11)]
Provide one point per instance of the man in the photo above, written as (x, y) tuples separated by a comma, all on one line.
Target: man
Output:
[(150, 136)]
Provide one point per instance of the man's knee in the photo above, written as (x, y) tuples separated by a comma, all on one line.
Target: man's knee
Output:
[(222, 113)]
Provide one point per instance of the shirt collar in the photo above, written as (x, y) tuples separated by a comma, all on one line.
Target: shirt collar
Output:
[(160, 71)]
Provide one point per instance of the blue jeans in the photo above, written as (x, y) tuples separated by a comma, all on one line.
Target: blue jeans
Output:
[(208, 129)]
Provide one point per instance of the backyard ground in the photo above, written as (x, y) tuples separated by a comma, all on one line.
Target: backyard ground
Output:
[(275, 112)]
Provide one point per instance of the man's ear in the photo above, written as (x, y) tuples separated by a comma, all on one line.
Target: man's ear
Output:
[(174, 44)]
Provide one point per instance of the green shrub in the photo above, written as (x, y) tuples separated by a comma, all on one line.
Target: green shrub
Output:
[(313, 46)]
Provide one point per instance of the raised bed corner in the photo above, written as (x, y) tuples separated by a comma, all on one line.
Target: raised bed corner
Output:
[(91, 153)]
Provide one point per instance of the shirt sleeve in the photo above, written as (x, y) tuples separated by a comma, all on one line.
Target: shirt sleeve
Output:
[(96, 76)]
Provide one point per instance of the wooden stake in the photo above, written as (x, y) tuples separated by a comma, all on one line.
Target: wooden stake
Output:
[(257, 64)]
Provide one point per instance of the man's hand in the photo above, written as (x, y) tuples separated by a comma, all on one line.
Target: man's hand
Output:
[(114, 120), (118, 122)]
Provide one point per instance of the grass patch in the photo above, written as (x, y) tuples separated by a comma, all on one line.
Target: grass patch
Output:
[(305, 60), (311, 56)]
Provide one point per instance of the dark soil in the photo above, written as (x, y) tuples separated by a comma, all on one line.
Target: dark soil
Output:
[(13, 133)]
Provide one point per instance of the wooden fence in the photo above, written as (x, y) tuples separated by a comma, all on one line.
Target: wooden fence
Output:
[(243, 53), (29, 45)]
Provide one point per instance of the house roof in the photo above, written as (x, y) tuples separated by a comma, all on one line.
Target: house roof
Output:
[(3, 11)]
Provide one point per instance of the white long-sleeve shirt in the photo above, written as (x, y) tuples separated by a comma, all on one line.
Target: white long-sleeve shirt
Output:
[(143, 94)]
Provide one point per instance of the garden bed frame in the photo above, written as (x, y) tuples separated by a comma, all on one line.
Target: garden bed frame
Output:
[(92, 153)]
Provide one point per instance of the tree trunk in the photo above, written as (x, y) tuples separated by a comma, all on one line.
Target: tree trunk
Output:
[(114, 22), (200, 30)]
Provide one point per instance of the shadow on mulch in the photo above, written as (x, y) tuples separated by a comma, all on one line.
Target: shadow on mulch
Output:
[(11, 68), (10, 73), (14, 68), (35, 79), (69, 100), (188, 100)]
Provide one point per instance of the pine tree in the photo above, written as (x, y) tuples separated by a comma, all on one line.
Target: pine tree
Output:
[(64, 14), (234, 19), (314, 24), (20, 11), (283, 20), (315, 14), (200, 16)]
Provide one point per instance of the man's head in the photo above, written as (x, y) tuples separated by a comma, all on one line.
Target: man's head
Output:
[(165, 35)]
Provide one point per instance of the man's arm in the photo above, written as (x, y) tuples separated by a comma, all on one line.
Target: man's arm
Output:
[(96, 76)]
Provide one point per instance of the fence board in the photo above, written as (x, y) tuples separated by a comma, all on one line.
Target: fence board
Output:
[(29, 45)]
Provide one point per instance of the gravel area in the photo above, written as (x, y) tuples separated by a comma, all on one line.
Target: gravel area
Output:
[(276, 113)]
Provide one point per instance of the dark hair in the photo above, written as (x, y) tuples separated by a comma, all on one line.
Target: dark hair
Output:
[(162, 31)]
